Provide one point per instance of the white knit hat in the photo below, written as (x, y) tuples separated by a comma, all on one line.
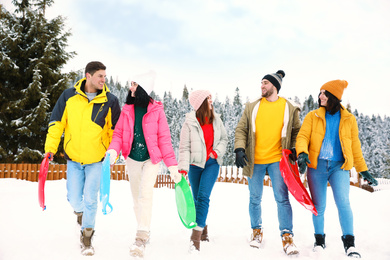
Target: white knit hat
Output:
[(146, 80), (197, 97)]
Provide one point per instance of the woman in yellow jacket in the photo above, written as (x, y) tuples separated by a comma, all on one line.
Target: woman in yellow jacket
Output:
[(328, 143)]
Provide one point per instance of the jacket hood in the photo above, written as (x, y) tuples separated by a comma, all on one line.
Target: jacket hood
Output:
[(156, 105), (321, 111), (80, 85)]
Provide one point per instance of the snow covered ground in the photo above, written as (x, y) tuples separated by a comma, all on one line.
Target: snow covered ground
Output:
[(27, 232)]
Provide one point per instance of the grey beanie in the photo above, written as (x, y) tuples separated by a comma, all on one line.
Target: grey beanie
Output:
[(276, 78)]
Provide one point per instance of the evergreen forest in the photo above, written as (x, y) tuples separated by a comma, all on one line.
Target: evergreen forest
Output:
[(31, 81)]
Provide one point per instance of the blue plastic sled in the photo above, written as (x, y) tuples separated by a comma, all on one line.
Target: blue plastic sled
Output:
[(105, 185)]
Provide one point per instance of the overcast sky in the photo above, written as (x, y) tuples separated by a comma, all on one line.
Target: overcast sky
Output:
[(224, 44)]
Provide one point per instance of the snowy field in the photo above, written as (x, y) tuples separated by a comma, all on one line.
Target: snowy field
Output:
[(27, 232)]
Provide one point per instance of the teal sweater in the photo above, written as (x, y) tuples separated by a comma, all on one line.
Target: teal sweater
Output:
[(139, 150)]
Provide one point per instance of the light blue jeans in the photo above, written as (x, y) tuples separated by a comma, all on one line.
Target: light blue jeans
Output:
[(83, 184), (339, 181), (280, 194), (202, 181)]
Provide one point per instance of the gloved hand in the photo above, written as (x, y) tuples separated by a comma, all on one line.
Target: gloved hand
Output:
[(183, 172), (174, 173), (51, 156), (241, 158), (368, 177), (303, 160), (113, 155), (293, 155)]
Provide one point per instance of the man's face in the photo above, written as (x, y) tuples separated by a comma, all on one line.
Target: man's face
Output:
[(267, 88), (97, 80)]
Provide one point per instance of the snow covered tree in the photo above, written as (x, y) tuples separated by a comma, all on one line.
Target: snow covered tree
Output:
[(185, 93), (32, 53), (231, 114)]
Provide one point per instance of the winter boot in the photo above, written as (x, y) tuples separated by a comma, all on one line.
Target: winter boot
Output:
[(86, 241), (319, 245), (349, 246), (195, 240), (256, 238), (138, 247), (288, 244), (79, 217), (205, 235)]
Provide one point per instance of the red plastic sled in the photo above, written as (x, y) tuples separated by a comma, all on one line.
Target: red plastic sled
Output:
[(292, 179), (41, 181)]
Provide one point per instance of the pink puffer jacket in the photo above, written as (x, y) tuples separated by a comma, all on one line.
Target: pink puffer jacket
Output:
[(156, 132)]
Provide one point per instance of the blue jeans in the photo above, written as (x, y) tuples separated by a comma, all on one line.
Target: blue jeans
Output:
[(202, 181), (83, 184), (280, 194), (339, 181)]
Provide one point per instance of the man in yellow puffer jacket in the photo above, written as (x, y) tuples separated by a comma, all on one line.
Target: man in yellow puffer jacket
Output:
[(87, 113)]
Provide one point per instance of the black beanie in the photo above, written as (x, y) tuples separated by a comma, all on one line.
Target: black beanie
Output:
[(276, 78)]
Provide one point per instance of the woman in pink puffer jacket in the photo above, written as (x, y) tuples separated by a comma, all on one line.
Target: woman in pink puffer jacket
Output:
[(142, 134)]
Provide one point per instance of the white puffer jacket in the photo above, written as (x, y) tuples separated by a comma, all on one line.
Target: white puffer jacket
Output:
[(192, 149)]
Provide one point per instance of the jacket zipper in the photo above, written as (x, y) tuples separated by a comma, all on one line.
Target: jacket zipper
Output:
[(100, 109)]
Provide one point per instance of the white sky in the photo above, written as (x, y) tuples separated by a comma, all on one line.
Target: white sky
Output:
[(221, 45)]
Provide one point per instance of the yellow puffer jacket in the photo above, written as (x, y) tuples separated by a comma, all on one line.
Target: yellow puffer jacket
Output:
[(88, 125), (312, 133)]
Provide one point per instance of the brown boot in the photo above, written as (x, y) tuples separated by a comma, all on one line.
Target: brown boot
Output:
[(256, 238), (86, 241), (79, 217), (195, 239), (205, 235), (288, 244)]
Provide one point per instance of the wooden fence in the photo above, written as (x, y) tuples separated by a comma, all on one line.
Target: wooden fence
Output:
[(30, 172)]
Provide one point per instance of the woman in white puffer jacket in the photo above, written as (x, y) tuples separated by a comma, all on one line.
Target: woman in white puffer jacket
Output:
[(203, 142)]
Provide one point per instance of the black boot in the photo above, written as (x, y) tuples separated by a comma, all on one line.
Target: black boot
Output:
[(349, 246), (320, 242)]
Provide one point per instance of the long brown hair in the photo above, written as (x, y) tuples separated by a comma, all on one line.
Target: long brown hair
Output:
[(204, 112)]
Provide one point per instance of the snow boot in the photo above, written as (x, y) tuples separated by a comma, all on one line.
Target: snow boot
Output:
[(138, 247), (256, 238), (86, 242), (288, 244), (79, 217), (205, 235), (349, 246), (319, 245), (195, 240)]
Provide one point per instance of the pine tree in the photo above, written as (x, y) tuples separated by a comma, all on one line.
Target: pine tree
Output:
[(32, 54), (185, 93), (231, 114)]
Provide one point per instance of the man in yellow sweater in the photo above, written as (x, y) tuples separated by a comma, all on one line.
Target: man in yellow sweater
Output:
[(267, 126)]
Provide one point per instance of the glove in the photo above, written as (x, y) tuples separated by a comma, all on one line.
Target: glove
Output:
[(183, 172), (51, 156), (174, 173), (293, 155), (368, 177), (113, 155), (303, 160), (241, 158)]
